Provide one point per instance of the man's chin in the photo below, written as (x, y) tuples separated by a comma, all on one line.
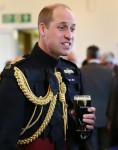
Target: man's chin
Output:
[(67, 52)]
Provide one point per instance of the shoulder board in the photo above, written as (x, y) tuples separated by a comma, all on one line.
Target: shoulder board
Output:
[(8, 70), (15, 62)]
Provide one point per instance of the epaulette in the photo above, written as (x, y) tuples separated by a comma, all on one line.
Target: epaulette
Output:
[(8, 69), (15, 62)]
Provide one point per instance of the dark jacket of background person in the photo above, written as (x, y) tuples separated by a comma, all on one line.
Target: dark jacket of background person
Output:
[(113, 112), (97, 82)]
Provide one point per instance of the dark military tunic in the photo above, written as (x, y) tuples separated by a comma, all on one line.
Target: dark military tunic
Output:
[(16, 109)]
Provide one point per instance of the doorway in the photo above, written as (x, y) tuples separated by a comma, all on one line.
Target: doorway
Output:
[(26, 40)]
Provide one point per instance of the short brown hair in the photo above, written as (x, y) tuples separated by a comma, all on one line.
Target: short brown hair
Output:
[(45, 15), (93, 52)]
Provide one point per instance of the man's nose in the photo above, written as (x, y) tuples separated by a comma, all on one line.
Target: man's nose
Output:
[(68, 34)]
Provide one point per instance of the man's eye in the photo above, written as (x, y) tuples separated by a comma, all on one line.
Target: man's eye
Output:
[(72, 29), (61, 27)]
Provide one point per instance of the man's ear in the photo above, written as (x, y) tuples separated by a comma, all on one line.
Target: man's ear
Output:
[(42, 28)]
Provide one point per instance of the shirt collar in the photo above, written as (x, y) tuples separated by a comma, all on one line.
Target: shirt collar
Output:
[(94, 61)]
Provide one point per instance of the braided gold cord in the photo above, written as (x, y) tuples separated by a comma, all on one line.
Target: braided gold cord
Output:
[(24, 86), (29, 125), (43, 125), (26, 127), (58, 75), (62, 91), (36, 118), (40, 101), (13, 62)]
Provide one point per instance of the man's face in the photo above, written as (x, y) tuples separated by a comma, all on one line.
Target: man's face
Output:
[(59, 36)]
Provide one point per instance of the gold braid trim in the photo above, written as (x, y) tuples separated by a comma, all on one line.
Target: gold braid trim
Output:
[(29, 125), (62, 91), (33, 123), (50, 97), (13, 62), (24, 86), (40, 101), (64, 106), (43, 125)]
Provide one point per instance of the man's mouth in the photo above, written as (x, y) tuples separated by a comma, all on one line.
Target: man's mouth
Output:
[(66, 44)]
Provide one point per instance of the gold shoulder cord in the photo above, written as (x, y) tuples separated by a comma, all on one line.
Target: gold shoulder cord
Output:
[(13, 62), (62, 91), (24, 86), (40, 101)]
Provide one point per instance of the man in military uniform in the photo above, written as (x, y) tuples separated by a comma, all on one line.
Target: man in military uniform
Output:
[(36, 93)]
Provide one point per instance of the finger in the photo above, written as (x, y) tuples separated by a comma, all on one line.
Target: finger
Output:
[(89, 116), (89, 122), (90, 127), (92, 110)]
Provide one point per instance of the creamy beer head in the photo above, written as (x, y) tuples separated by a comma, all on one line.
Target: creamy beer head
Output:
[(82, 97)]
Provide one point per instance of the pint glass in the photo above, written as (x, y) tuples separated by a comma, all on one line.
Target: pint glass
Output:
[(81, 104)]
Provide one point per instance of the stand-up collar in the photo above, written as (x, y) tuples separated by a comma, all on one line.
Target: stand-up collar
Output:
[(43, 58)]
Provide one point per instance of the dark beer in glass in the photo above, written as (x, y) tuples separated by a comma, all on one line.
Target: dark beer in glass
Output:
[(81, 104)]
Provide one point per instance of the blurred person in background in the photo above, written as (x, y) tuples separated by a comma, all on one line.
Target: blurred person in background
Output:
[(97, 82), (112, 114), (84, 62), (108, 59)]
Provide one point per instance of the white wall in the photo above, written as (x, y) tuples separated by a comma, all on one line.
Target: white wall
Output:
[(7, 47), (97, 21)]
